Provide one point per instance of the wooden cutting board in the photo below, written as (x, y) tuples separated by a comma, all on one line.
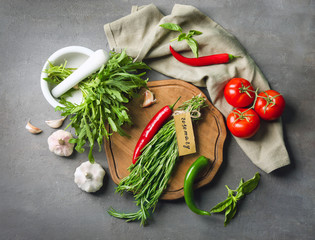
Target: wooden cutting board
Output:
[(210, 133)]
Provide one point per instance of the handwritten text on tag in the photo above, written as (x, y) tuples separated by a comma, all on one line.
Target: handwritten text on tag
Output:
[(185, 134)]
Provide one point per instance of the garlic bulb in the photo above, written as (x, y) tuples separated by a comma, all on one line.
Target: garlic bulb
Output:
[(55, 123), (32, 129), (59, 144), (89, 176)]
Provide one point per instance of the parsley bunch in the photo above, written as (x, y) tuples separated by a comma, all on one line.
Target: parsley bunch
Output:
[(105, 94)]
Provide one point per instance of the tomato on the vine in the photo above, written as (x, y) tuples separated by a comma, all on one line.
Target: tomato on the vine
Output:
[(269, 105), (243, 123), (239, 92)]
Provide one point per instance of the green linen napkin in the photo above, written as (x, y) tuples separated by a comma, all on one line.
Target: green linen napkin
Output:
[(142, 37)]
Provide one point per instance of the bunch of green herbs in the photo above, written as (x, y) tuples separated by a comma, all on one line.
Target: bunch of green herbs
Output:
[(188, 37), (105, 94), (229, 204), (150, 175)]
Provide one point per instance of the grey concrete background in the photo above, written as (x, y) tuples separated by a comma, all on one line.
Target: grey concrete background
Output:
[(38, 198)]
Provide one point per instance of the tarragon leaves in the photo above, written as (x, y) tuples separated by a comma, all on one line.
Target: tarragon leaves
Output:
[(105, 94), (193, 44), (150, 175), (229, 204)]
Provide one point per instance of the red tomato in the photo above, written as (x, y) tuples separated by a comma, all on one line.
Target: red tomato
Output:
[(243, 123), (269, 105), (239, 92)]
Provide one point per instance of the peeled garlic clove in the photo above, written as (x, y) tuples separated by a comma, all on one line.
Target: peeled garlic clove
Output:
[(32, 129), (55, 123), (148, 98)]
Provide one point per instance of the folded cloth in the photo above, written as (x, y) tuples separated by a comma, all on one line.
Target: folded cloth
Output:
[(142, 37)]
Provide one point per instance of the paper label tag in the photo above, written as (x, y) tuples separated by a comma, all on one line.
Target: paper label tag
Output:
[(185, 134)]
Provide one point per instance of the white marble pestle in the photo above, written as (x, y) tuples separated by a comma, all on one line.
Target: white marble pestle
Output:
[(91, 65)]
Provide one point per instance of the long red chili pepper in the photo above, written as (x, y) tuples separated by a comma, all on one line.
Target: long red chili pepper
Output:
[(151, 129), (204, 61)]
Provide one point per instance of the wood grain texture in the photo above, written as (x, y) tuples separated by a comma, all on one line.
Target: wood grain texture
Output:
[(210, 133)]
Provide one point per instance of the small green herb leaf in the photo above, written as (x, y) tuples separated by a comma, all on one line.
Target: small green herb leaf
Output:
[(239, 195), (248, 186), (112, 124), (193, 45), (181, 37), (91, 158), (171, 26), (230, 213), (222, 205), (229, 205), (193, 32)]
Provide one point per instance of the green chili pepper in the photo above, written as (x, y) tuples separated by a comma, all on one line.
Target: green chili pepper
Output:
[(191, 174)]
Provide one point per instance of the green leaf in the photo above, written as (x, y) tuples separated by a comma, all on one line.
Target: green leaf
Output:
[(222, 205), (112, 124), (181, 37), (73, 140), (239, 195), (241, 183), (230, 213), (88, 131), (91, 158), (248, 186), (193, 45), (171, 26), (192, 33)]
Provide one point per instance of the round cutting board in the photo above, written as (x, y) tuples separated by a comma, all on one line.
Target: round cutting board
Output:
[(210, 133)]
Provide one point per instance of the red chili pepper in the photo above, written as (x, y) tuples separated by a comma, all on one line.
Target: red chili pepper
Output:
[(204, 61), (151, 129)]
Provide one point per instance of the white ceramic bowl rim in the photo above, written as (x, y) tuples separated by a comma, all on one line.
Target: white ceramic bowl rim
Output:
[(63, 51)]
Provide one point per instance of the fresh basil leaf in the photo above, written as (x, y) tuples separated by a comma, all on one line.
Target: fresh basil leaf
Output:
[(227, 211), (222, 205), (242, 181), (240, 185), (193, 32), (251, 184), (171, 26), (230, 191), (239, 195), (193, 45), (230, 213), (181, 37)]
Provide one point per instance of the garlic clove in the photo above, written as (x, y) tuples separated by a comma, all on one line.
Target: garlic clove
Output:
[(55, 123), (32, 129), (148, 98)]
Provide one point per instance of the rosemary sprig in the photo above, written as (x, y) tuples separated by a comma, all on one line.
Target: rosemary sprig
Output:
[(149, 176)]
